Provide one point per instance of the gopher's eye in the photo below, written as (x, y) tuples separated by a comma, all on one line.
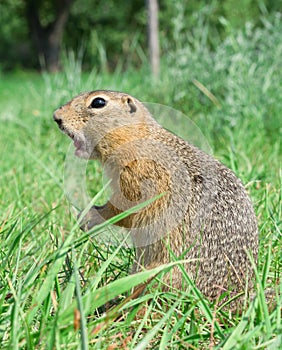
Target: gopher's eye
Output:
[(98, 102)]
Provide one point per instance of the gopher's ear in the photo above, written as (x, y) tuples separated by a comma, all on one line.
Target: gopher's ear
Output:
[(128, 101)]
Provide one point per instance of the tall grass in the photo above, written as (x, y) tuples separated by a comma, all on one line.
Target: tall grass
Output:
[(56, 283)]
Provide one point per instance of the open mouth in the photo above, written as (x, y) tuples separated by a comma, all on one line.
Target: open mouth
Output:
[(80, 147), (79, 143)]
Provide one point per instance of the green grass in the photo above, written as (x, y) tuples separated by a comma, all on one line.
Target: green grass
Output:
[(52, 274)]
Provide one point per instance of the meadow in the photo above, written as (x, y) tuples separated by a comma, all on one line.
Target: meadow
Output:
[(55, 280)]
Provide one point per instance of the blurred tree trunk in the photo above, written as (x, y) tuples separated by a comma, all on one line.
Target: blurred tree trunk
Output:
[(47, 39), (153, 36)]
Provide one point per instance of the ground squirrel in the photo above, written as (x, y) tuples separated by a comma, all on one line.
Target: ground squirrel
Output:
[(202, 212)]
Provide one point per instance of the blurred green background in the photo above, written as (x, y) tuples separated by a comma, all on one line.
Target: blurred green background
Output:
[(221, 65), (114, 33)]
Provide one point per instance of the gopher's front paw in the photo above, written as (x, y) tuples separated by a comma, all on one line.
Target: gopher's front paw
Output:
[(90, 219)]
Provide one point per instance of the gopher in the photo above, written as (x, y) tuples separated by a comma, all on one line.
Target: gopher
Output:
[(189, 205)]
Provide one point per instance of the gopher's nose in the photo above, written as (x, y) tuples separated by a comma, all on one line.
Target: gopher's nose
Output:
[(57, 119)]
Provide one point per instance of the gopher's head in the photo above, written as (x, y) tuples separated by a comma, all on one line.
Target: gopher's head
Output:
[(90, 117)]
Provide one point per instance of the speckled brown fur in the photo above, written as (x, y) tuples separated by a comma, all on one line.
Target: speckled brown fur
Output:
[(204, 213)]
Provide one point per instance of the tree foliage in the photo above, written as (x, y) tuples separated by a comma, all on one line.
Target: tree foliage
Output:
[(112, 32), (46, 22)]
